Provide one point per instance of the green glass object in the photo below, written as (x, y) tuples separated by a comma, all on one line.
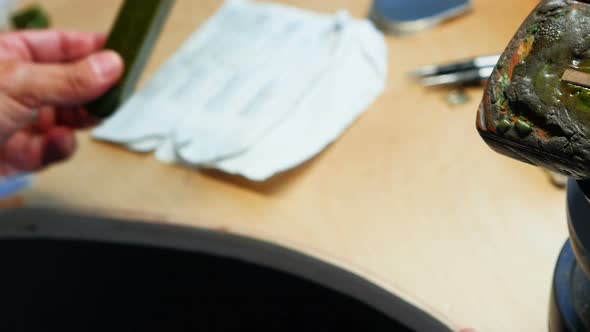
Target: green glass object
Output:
[(33, 17), (133, 36), (504, 125), (523, 128)]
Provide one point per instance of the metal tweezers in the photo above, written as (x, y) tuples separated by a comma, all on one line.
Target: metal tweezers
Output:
[(470, 72)]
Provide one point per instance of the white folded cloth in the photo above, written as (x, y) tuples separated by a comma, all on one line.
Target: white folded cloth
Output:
[(259, 89)]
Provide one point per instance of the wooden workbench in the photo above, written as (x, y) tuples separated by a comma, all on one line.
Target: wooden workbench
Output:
[(410, 195)]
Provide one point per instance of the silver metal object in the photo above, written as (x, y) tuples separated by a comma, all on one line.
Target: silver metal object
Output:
[(452, 67), (402, 17), (474, 71), (469, 77)]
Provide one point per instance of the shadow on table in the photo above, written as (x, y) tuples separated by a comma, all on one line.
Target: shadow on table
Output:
[(272, 186)]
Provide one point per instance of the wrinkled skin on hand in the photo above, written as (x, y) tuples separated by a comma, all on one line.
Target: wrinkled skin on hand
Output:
[(45, 78)]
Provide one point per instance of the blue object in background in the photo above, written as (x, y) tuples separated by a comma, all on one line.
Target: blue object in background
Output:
[(13, 185), (407, 16)]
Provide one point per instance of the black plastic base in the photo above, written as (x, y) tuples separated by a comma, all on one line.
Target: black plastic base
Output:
[(570, 298)]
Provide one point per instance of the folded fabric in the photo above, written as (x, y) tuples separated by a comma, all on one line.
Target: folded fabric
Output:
[(257, 90)]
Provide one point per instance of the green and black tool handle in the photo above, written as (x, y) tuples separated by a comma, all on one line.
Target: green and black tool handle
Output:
[(133, 36)]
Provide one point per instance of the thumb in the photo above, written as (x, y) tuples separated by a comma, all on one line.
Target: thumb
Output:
[(66, 84)]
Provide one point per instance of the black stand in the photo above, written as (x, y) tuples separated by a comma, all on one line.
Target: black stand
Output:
[(570, 296)]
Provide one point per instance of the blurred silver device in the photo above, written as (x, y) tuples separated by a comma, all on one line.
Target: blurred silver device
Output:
[(401, 17)]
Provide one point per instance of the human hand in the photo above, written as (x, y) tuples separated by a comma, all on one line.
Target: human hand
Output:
[(45, 78)]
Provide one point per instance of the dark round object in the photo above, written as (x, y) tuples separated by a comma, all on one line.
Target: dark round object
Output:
[(570, 296), (63, 272), (578, 211)]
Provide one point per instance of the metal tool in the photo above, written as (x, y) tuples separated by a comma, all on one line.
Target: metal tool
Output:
[(474, 71)]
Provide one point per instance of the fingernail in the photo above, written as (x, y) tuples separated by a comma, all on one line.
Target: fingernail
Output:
[(107, 65)]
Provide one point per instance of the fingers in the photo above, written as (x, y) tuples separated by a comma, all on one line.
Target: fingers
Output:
[(46, 141), (36, 70), (69, 84), (28, 87), (28, 151), (14, 116), (45, 120), (58, 145), (49, 45), (75, 118)]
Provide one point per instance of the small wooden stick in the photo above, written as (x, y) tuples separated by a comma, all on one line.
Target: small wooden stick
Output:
[(576, 77)]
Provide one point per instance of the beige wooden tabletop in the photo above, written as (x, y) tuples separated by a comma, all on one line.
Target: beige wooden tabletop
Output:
[(410, 196)]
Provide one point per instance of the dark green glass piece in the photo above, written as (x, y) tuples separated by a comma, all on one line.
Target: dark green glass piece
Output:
[(504, 125), (133, 35), (33, 17), (523, 128)]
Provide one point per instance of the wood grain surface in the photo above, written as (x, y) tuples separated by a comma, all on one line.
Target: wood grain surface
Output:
[(410, 196)]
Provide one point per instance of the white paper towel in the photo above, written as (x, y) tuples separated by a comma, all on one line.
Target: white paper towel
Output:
[(355, 80), (7, 8), (259, 89)]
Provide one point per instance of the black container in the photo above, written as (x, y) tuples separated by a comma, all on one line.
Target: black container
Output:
[(570, 297), (63, 272)]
